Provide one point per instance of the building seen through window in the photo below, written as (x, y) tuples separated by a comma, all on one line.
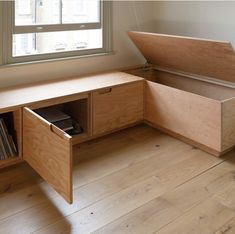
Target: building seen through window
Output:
[(39, 13)]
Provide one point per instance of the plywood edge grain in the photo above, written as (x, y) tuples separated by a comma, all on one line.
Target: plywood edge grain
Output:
[(18, 121), (181, 37), (228, 124)]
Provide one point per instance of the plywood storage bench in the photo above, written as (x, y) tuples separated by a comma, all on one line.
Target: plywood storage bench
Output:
[(101, 104), (186, 90), (190, 89)]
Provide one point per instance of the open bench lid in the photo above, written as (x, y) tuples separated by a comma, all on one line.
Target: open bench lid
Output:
[(208, 58)]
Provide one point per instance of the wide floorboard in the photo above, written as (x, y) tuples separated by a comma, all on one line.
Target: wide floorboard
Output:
[(138, 180)]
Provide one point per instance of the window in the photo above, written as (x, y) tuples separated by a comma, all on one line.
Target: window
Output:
[(48, 29)]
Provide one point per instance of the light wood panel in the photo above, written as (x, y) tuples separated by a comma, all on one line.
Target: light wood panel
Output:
[(187, 140), (203, 88), (17, 118), (81, 111), (128, 199), (228, 228), (210, 58), (58, 100), (149, 217), (48, 150), (9, 162), (23, 95), (163, 210), (228, 124), (205, 218), (116, 107), (187, 114)]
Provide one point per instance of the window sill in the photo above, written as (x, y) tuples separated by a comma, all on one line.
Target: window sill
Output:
[(56, 60)]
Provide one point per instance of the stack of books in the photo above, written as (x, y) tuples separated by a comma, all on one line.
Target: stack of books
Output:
[(57, 117), (7, 145), (60, 120)]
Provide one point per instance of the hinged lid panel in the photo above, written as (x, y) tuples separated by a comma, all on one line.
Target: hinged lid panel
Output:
[(208, 58)]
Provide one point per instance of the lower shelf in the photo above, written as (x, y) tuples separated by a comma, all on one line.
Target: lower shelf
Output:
[(10, 162), (76, 139)]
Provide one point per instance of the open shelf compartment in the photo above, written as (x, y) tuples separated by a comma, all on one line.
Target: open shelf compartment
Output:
[(13, 122), (78, 111)]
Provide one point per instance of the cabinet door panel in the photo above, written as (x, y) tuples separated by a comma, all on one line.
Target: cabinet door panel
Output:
[(48, 150), (116, 107)]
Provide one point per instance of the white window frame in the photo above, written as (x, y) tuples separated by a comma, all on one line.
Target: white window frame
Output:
[(1, 34), (7, 29)]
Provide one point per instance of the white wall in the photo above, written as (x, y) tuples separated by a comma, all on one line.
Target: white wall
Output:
[(126, 16), (206, 19)]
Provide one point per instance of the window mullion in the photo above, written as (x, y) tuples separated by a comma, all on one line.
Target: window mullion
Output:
[(7, 31), (61, 12), (55, 27)]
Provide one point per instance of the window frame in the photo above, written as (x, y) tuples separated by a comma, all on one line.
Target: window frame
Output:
[(7, 29), (1, 33)]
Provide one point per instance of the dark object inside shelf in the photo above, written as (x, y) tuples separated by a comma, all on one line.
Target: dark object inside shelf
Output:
[(61, 119), (7, 137), (77, 129)]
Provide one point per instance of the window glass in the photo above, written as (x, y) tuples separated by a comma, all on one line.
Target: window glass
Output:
[(50, 29), (43, 12), (80, 11), (52, 42), (34, 12)]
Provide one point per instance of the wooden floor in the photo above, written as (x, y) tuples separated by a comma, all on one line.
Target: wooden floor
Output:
[(135, 181)]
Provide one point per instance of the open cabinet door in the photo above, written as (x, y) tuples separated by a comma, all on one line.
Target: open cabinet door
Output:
[(48, 150)]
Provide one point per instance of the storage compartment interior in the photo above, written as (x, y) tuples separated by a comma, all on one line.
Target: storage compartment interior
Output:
[(203, 88), (9, 135), (71, 117)]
